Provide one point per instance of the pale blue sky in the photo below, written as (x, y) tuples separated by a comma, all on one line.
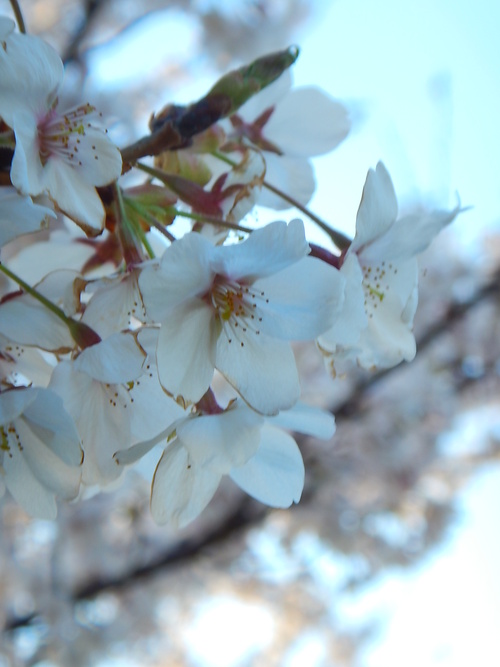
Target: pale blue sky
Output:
[(395, 61)]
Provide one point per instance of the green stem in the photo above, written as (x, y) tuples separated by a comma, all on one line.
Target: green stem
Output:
[(156, 173), (341, 241), (142, 211), (19, 15), (199, 217), (211, 220), (129, 233), (82, 334)]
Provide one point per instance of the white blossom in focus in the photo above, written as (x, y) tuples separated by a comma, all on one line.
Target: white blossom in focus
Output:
[(59, 153), (253, 450), (235, 308), (113, 394), (381, 272), (40, 454)]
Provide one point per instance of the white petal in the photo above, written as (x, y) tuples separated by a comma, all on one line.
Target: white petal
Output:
[(19, 215), (59, 287), (27, 362), (14, 402), (47, 468), (378, 208), (99, 160), (388, 340), (248, 175), (6, 27), (186, 350), (101, 415), (180, 490), (49, 420), (26, 321), (352, 319), (118, 359), (409, 236), (113, 305), (31, 71), (33, 496), (323, 123), (152, 410), (34, 262), (261, 369), (184, 272), (219, 442), (73, 195), (302, 301), (293, 175), (306, 419), (275, 475), (266, 251), (27, 170)]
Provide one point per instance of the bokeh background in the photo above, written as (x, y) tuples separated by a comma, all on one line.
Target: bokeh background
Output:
[(391, 558)]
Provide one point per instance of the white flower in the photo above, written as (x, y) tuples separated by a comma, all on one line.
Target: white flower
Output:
[(116, 304), (57, 153), (261, 458), (20, 215), (23, 366), (381, 273), (290, 126), (235, 308), (112, 392), (26, 321), (40, 452)]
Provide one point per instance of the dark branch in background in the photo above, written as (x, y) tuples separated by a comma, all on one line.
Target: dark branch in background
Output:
[(249, 512), (91, 8)]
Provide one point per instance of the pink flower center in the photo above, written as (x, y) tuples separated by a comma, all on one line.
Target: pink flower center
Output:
[(60, 135)]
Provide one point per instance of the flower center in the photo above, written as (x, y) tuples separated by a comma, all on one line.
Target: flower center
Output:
[(238, 308), (60, 135), (8, 438), (376, 285)]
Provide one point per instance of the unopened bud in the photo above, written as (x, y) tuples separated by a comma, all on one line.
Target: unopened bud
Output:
[(240, 84)]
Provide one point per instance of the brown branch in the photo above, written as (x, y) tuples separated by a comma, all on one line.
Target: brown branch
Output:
[(91, 8), (175, 126), (246, 514)]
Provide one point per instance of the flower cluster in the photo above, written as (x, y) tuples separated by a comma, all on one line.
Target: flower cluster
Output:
[(121, 336)]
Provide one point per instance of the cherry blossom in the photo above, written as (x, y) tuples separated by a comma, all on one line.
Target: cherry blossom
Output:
[(112, 392), (254, 451), (59, 153), (289, 126), (381, 272), (20, 215), (118, 360), (40, 454), (235, 308)]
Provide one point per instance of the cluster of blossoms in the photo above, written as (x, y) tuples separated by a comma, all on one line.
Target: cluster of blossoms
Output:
[(120, 336)]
